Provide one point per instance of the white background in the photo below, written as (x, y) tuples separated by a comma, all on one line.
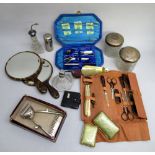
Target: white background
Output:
[(134, 21)]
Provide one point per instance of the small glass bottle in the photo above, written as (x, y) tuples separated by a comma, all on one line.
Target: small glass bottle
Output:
[(92, 70), (36, 46), (62, 81)]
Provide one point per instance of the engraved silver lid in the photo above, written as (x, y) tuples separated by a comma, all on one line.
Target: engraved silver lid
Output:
[(129, 54), (47, 36), (114, 39)]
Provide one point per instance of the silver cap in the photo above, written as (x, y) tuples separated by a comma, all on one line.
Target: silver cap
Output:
[(129, 54), (114, 39), (47, 36)]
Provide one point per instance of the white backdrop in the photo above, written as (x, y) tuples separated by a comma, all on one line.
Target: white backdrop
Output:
[(135, 21)]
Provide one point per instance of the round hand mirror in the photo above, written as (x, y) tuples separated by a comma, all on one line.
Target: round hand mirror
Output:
[(23, 65)]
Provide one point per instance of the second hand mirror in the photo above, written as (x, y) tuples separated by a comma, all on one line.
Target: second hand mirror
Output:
[(44, 76), (42, 80)]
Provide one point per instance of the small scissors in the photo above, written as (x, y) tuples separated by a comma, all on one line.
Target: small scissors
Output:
[(112, 82), (126, 114)]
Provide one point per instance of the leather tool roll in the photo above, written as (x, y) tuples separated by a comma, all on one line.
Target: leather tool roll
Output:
[(130, 130)]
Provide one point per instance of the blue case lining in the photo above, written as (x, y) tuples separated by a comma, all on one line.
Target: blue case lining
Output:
[(97, 58), (78, 32)]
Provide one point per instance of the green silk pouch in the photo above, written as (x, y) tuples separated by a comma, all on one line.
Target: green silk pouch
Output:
[(89, 135), (106, 125)]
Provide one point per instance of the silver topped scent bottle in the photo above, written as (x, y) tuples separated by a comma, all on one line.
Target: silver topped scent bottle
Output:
[(62, 81), (113, 43), (36, 46)]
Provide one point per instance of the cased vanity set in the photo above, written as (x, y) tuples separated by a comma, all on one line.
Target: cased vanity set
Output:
[(110, 101)]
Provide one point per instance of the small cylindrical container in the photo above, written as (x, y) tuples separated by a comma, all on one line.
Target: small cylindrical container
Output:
[(128, 57), (92, 70), (87, 104), (113, 43), (48, 42)]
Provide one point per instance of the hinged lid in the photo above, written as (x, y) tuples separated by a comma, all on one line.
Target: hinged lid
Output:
[(78, 29)]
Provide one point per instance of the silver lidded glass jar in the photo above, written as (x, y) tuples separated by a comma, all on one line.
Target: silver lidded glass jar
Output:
[(48, 42), (113, 43), (128, 57)]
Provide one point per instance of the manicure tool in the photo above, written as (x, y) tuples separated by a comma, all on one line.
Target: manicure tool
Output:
[(126, 114), (92, 101), (122, 82), (87, 102), (130, 94), (102, 79), (112, 82)]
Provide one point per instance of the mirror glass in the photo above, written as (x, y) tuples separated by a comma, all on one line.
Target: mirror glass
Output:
[(23, 65), (46, 71)]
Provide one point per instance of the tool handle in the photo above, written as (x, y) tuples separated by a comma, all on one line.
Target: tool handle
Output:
[(41, 87), (102, 79), (122, 82), (124, 114), (87, 103), (126, 79), (132, 101), (54, 93), (87, 107)]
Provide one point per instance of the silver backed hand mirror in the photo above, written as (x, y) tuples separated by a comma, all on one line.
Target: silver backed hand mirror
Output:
[(23, 66), (29, 67), (42, 80), (44, 77)]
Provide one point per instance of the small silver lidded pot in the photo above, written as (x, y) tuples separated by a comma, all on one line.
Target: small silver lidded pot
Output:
[(128, 57), (48, 42), (113, 43)]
